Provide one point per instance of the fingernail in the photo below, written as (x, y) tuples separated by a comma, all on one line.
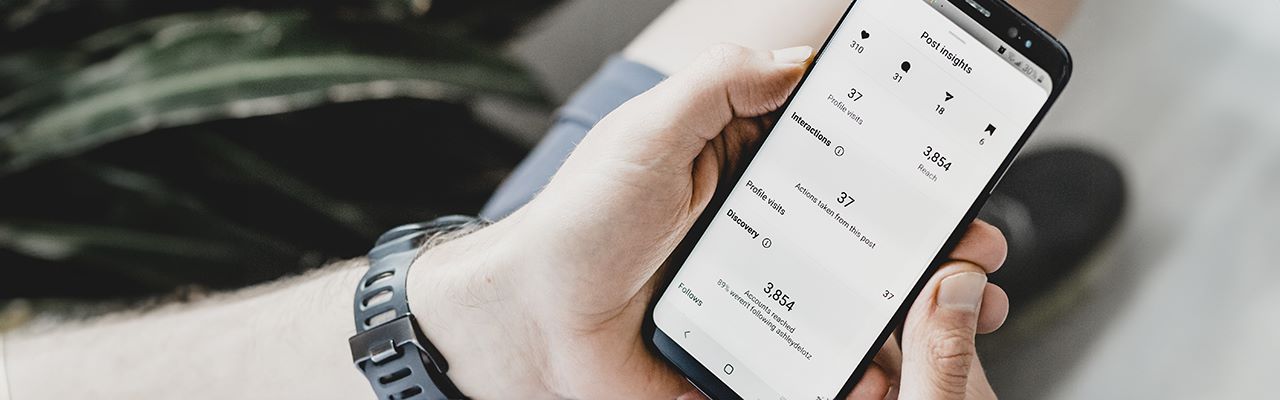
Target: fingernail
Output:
[(792, 55), (962, 291)]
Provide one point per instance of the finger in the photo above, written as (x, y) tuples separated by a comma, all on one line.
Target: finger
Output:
[(982, 244), (669, 125), (938, 338), (692, 395), (979, 386), (889, 358), (874, 385), (995, 309), (726, 153)]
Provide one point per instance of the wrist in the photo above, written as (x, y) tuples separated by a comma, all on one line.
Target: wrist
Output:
[(462, 293)]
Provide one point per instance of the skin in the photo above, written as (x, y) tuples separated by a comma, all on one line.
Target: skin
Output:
[(547, 303), (568, 290), (670, 44)]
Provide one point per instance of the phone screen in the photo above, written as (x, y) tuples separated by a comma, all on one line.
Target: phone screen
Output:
[(906, 116)]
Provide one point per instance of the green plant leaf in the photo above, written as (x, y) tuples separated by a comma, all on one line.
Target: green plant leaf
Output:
[(191, 68), (28, 24), (247, 164), (132, 253), (185, 211)]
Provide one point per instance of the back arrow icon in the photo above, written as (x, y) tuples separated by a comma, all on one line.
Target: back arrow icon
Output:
[(686, 334)]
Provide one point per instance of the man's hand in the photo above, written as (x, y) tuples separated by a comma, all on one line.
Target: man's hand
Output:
[(548, 303), (937, 359)]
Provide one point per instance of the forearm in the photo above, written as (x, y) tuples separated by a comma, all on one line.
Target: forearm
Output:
[(282, 340)]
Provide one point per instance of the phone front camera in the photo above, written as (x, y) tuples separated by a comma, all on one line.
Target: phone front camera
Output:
[(1013, 32), (1028, 44)]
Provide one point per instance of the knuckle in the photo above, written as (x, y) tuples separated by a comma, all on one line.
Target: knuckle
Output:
[(728, 54)]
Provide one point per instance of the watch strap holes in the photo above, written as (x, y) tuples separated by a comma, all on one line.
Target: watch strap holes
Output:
[(376, 298), (394, 376), (408, 393), (380, 318), (382, 276)]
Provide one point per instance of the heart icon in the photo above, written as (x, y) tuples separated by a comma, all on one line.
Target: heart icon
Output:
[(865, 35)]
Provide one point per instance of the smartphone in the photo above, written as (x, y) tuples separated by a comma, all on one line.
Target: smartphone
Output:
[(809, 258)]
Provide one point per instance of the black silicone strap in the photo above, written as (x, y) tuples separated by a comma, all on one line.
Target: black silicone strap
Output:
[(389, 347)]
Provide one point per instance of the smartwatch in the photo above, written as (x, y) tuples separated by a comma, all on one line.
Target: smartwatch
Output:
[(389, 346)]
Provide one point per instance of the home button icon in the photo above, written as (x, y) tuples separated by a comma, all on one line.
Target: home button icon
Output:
[(728, 369)]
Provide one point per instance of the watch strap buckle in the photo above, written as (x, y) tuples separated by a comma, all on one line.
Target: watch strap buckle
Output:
[(385, 341)]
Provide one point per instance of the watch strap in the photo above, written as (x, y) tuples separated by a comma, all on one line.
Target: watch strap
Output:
[(389, 347)]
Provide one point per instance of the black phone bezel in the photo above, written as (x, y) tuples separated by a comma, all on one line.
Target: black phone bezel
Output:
[(1046, 52)]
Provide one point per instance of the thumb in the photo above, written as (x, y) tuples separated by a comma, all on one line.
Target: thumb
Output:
[(938, 348), (671, 123)]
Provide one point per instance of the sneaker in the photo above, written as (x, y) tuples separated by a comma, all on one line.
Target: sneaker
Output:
[(1055, 207)]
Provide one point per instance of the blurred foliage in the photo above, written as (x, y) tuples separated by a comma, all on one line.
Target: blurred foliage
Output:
[(50, 23), (149, 145)]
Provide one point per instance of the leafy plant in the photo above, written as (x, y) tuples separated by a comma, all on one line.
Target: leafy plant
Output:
[(220, 145)]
